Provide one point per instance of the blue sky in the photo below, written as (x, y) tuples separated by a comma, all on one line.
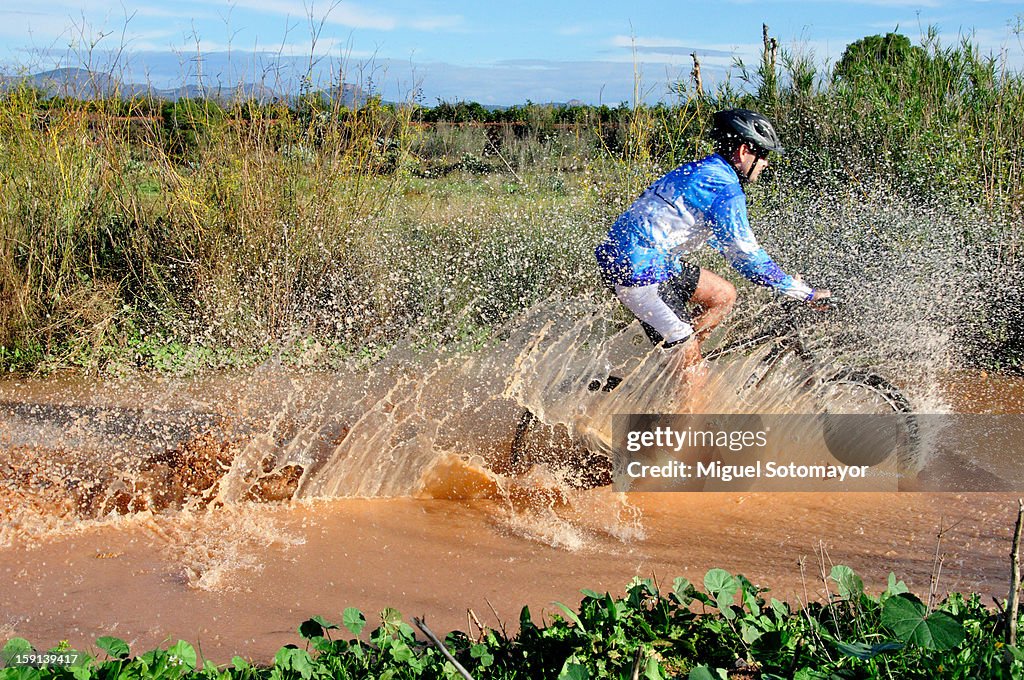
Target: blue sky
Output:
[(491, 52)]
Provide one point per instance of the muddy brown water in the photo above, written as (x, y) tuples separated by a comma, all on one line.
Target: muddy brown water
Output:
[(238, 577)]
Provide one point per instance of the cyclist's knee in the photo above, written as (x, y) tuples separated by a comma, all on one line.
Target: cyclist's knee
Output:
[(729, 296), (722, 296), (715, 292)]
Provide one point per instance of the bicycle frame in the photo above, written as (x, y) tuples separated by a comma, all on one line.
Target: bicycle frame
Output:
[(787, 334)]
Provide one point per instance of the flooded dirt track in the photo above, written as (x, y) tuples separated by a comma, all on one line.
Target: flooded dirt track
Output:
[(226, 510), (243, 581)]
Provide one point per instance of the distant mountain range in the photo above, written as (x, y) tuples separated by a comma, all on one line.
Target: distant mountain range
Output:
[(82, 83)]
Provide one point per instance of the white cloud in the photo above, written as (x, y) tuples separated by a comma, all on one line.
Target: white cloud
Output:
[(334, 48), (675, 52), (351, 15), (999, 43), (639, 41), (107, 26), (161, 13), (577, 29), (38, 30), (344, 13), (439, 23)]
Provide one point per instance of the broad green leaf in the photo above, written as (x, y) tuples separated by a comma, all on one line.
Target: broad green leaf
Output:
[(639, 581), (809, 674), (19, 673), (13, 648), (573, 671), (724, 603), (326, 645), (298, 660), (326, 624), (81, 659), (592, 594), (718, 581), (391, 618), (681, 589), (641, 586), (700, 673), (405, 632), (450, 672), (723, 586), (895, 587), (239, 663), (750, 600), (572, 616), (310, 629), (653, 670), (750, 634), (184, 652), (1015, 652), (611, 607), (401, 653), (354, 620), (943, 632), (850, 585), (115, 647), (904, 606), (864, 652), (748, 595), (904, 614), (302, 663), (482, 654)]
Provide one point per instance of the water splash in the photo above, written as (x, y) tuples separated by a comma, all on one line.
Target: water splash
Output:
[(440, 424)]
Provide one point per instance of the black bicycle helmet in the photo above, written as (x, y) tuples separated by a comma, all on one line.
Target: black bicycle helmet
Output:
[(732, 127)]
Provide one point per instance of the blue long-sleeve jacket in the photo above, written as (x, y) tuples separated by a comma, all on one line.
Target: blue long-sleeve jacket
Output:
[(699, 202)]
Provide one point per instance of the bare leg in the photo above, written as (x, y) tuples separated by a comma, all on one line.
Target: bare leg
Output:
[(716, 297)]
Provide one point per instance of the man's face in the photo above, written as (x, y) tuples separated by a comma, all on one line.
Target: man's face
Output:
[(748, 164)]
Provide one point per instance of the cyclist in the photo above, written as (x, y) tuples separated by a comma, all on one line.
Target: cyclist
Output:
[(643, 254)]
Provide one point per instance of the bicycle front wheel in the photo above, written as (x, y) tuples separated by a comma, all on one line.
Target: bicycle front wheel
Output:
[(857, 393)]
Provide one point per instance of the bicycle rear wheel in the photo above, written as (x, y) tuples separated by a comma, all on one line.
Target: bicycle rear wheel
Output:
[(537, 443)]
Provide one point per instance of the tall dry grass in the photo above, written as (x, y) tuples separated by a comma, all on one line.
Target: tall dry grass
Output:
[(131, 225)]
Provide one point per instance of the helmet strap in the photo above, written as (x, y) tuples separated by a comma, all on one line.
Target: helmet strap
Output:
[(759, 155)]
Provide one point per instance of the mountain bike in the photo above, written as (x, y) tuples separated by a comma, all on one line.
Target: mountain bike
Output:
[(781, 341)]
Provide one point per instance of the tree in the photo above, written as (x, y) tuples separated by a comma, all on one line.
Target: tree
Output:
[(876, 55)]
